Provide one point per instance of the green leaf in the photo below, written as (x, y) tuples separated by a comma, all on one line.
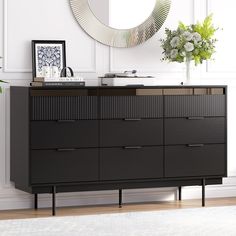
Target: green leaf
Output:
[(197, 60), (206, 29), (182, 26), (1, 81)]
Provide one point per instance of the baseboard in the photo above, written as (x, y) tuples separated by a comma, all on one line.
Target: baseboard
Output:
[(19, 200), (11, 198)]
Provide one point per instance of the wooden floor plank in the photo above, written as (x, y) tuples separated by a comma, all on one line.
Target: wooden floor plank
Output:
[(107, 209)]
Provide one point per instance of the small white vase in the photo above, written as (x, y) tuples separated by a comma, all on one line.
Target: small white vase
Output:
[(187, 64)]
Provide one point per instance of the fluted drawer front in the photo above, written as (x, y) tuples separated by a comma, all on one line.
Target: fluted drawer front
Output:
[(63, 108), (195, 105), (118, 107)]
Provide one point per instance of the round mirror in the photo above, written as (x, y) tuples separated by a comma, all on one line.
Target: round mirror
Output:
[(122, 14), (121, 23)]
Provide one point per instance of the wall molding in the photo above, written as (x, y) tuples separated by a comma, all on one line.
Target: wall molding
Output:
[(6, 68), (7, 136), (114, 67), (207, 12), (13, 199), (216, 70), (3, 155), (5, 43)]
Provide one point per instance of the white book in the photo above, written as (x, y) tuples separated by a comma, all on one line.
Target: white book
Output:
[(59, 79), (126, 81)]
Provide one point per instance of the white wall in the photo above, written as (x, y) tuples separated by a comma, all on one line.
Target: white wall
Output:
[(24, 20)]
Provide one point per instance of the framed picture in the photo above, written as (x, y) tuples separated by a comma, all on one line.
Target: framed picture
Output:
[(47, 54)]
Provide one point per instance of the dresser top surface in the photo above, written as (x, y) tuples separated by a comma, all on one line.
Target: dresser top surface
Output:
[(123, 87)]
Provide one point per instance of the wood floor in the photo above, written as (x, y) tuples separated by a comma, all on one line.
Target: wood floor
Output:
[(74, 211)]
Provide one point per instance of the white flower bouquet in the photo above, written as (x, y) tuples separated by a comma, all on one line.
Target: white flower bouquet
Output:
[(194, 42)]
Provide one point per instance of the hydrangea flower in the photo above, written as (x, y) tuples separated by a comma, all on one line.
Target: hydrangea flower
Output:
[(174, 53), (188, 36), (188, 47), (174, 42), (196, 37)]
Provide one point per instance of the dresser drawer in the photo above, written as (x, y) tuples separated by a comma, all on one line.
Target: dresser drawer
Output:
[(64, 134), (120, 107), (206, 160), (195, 130), (195, 105), (128, 132), (51, 166), (63, 108), (131, 163)]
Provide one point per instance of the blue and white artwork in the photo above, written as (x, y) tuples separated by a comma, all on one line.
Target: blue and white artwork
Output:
[(48, 55)]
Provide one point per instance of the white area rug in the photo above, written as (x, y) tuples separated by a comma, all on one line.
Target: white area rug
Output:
[(217, 221)]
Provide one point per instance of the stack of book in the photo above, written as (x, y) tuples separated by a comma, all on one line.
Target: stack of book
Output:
[(60, 81)]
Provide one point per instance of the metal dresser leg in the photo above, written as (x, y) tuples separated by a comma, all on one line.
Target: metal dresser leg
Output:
[(54, 200), (36, 201), (120, 198), (203, 192), (180, 193)]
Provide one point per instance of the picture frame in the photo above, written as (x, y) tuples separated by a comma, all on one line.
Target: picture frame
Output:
[(47, 54)]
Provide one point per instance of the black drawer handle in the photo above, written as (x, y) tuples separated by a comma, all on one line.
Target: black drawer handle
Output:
[(127, 119), (195, 145), (65, 121), (195, 118), (66, 149), (134, 147)]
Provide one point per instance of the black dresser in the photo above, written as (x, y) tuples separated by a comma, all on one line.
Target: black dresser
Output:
[(113, 138)]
